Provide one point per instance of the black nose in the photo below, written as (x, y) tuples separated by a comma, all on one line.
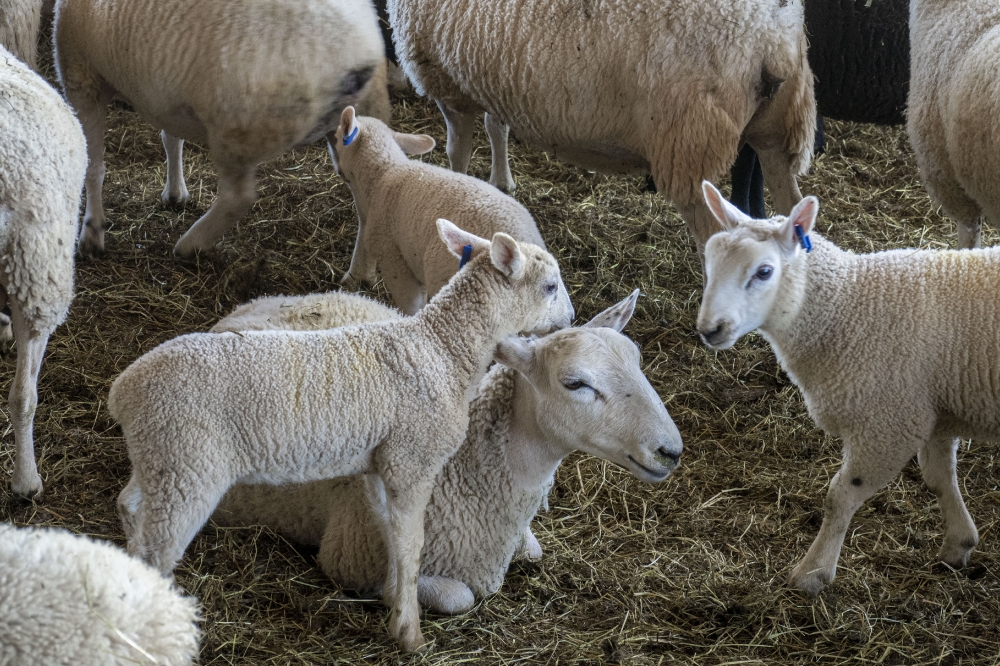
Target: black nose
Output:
[(663, 453), (713, 336)]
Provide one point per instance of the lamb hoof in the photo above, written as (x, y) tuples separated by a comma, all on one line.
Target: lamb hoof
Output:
[(956, 555), (92, 240), (808, 579), (28, 488), (174, 199), (505, 186)]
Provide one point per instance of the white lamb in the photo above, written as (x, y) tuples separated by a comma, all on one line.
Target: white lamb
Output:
[(68, 600), (249, 80), (894, 352), (576, 389), (953, 114), (19, 24), (398, 201), (43, 159), (671, 88), (205, 411)]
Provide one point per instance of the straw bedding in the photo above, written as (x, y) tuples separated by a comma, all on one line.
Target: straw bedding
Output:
[(688, 571)]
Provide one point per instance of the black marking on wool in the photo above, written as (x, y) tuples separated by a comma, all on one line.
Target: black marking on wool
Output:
[(355, 80), (769, 84)]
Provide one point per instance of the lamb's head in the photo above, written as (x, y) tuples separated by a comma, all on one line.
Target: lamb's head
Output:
[(528, 294), (589, 393), (360, 137), (747, 268)]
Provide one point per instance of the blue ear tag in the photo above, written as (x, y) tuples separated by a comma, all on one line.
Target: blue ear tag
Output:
[(803, 239), (466, 255), (350, 137)]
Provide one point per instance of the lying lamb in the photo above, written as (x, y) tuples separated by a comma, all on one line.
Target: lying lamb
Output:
[(205, 411), (671, 88), (43, 159), (953, 117), (249, 80), (888, 349), (399, 199), (577, 389), (67, 600)]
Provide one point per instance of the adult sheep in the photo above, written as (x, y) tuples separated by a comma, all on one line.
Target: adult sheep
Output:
[(67, 600), (954, 113), (577, 389), (19, 24), (249, 80), (666, 87), (43, 159)]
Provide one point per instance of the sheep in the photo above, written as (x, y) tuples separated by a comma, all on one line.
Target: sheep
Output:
[(249, 80), (953, 119), (670, 88), (399, 199), (204, 411), (888, 350), (526, 418), (43, 159), (19, 24), (313, 312), (67, 600)]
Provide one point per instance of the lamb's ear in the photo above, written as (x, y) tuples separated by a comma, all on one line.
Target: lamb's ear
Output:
[(617, 315), (507, 256), (414, 144), (728, 215), (517, 354), (347, 132), (457, 239), (804, 217)]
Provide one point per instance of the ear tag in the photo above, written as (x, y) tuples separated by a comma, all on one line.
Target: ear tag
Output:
[(466, 256), (803, 239), (350, 137)]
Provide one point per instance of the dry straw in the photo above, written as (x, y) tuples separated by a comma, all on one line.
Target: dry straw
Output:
[(688, 571)]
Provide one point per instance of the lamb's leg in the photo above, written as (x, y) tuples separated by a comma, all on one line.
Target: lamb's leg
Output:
[(90, 103), (237, 192), (865, 471), (938, 465), (701, 223), (26, 481), (444, 595), (777, 167), (175, 191), (362, 269), (498, 131), (461, 126), (408, 293)]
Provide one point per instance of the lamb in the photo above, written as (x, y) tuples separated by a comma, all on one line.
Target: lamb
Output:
[(204, 411), (19, 24), (42, 163), (888, 350), (398, 201), (249, 80), (579, 388), (953, 119), (67, 600), (676, 98)]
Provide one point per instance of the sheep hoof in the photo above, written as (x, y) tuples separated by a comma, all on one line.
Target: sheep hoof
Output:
[(28, 488), (92, 241), (187, 251), (506, 185), (175, 199), (956, 554), (808, 579)]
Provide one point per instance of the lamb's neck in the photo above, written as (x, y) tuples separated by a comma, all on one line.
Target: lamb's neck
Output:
[(375, 163)]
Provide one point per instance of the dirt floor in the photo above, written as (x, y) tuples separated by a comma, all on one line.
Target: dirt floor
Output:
[(691, 570)]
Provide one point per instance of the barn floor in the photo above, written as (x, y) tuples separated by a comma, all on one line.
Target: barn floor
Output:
[(688, 571)]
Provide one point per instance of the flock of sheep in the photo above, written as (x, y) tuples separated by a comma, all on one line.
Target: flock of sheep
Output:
[(384, 436)]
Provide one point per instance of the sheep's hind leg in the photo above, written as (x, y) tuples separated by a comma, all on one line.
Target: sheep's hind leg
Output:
[(938, 465), (90, 104), (461, 126), (175, 190), (498, 132), (863, 474), (237, 192), (26, 481)]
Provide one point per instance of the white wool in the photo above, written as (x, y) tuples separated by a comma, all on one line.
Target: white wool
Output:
[(19, 23)]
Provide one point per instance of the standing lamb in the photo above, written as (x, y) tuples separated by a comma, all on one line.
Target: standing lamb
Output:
[(576, 389), (249, 80), (398, 202), (954, 112), (19, 25), (204, 411), (43, 159), (67, 600), (888, 350), (666, 87)]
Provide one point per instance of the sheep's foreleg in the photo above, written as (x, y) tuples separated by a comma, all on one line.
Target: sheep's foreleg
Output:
[(938, 465), (498, 131), (175, 190), (26, 481), (777, 167), (237, 192), (701, 223), (865, 471), (461, 126)]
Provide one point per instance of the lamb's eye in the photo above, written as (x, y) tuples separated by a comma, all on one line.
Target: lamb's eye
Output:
[(764, 273), (575, 384), (551, 288)]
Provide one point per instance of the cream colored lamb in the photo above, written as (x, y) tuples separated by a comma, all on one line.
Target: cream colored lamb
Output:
[(43, 159), (19, 24), (894, 352), (205, 411), (576, 389), (248, 80), (398, 201), (68, 600), (671, 88), (953, 114)]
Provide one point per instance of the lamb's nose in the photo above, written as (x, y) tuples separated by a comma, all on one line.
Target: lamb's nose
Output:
[(714, 335)]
